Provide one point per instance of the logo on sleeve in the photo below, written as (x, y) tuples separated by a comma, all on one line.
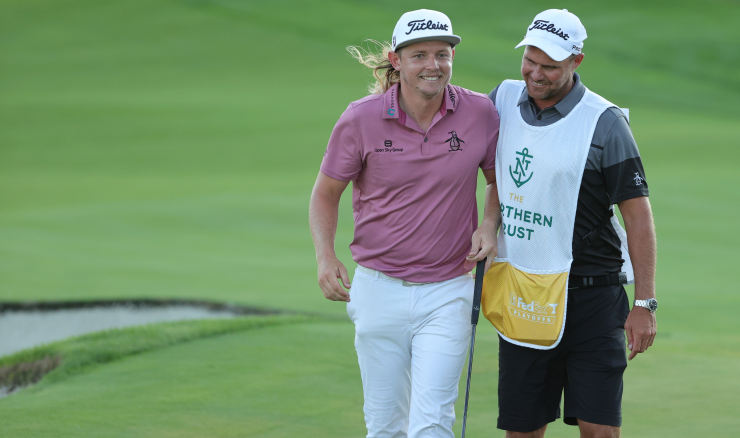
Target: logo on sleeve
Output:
[(454, 142), (521, 169), (638, 179)]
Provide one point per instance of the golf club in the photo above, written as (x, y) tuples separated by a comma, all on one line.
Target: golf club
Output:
[(480, 271)]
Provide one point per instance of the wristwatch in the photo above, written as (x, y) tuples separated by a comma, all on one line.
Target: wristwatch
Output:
[(651, 304)]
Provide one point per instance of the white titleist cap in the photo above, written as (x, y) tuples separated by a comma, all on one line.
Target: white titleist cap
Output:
[(556, 32), (422, 25)]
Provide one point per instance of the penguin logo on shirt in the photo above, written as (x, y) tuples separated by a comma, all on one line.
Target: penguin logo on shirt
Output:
[(454, 142)]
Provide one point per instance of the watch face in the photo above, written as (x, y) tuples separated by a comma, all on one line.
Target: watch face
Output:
[(653, 303)]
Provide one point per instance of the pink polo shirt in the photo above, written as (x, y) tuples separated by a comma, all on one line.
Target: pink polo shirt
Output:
[(413, 193)]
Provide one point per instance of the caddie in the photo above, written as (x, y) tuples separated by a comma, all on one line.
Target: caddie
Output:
[(412, 150), (555, 291)]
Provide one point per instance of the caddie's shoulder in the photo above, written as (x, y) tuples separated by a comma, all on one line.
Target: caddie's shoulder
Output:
[(612, 114), (613, 120)]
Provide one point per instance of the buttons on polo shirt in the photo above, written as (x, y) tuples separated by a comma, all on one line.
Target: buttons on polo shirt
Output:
[(425, 139)]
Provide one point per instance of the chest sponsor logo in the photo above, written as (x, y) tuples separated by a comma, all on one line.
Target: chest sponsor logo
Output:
[(388, 147), (638, 179), (533, 311), (521, 173), (454, 142)]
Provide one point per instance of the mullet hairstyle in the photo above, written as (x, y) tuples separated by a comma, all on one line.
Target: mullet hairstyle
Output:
[(384, 73)]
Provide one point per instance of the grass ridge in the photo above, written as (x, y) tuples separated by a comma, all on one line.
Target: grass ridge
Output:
[(78, 354)]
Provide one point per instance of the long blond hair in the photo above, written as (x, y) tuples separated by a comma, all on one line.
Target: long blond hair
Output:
[(384, 73)]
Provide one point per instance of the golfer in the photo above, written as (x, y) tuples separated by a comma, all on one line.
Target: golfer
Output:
[(412, 150), (565, 157)]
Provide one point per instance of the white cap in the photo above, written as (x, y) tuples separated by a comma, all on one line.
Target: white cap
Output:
[(556, 32), (422, 25)]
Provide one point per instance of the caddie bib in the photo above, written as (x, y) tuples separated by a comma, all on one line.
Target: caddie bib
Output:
[(538, 172)]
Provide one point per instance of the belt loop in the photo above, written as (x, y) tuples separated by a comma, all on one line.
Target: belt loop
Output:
[(377, 274)]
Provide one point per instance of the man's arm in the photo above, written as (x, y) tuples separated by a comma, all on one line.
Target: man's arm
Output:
[(484, 238), (641, 325), (323, 213)]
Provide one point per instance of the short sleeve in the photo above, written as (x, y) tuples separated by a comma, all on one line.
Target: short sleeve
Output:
[(621, 163), (343, 157), (493, 124), (493, 93)]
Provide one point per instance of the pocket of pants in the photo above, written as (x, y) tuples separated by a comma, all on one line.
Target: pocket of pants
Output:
[(359, 282)]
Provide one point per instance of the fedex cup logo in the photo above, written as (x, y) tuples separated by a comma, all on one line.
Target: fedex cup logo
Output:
[(534, 306)]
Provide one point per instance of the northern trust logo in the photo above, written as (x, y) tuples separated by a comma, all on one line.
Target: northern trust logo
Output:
[(543, 314), (521, 173)]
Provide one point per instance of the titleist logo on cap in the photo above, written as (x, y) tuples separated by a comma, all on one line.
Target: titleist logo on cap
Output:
[(549, 27), (424, 25)]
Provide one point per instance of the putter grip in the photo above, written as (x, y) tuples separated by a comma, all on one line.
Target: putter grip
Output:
[(478, 291)]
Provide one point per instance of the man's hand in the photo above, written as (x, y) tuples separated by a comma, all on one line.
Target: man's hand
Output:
[(322, 218), (485, 244), (638, 220), (641, 328), (330, 272)]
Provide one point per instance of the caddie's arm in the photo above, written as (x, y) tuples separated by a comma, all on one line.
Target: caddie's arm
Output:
[(641, 325), (484, 241), (323, 213)]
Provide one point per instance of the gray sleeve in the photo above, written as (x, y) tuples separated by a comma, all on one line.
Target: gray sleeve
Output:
[(617, 157), (492, 94), (613, 130)]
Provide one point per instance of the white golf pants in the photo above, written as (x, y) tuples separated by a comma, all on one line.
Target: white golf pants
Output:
[(411, 343)]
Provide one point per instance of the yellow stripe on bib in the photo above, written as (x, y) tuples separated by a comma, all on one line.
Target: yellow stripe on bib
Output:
[(528, 308)]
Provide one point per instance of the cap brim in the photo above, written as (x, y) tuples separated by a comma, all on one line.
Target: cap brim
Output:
[(452, 39), (554, 51)]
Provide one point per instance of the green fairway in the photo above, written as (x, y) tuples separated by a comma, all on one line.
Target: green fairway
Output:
[(167, 149), (302, 380)]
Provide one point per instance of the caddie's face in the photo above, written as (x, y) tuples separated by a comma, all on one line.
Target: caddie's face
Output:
[(425, 67), (548, 81)]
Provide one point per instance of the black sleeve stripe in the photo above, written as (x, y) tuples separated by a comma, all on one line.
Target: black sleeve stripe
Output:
[(625, 179), (597, 146)]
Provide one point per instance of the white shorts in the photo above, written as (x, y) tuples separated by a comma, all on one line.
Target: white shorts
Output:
[(411, 343)]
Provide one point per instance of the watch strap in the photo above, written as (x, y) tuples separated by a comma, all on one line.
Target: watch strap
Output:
[(650, 304)]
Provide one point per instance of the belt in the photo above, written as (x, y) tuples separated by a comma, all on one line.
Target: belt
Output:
[(378, 274), (577, 281)]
